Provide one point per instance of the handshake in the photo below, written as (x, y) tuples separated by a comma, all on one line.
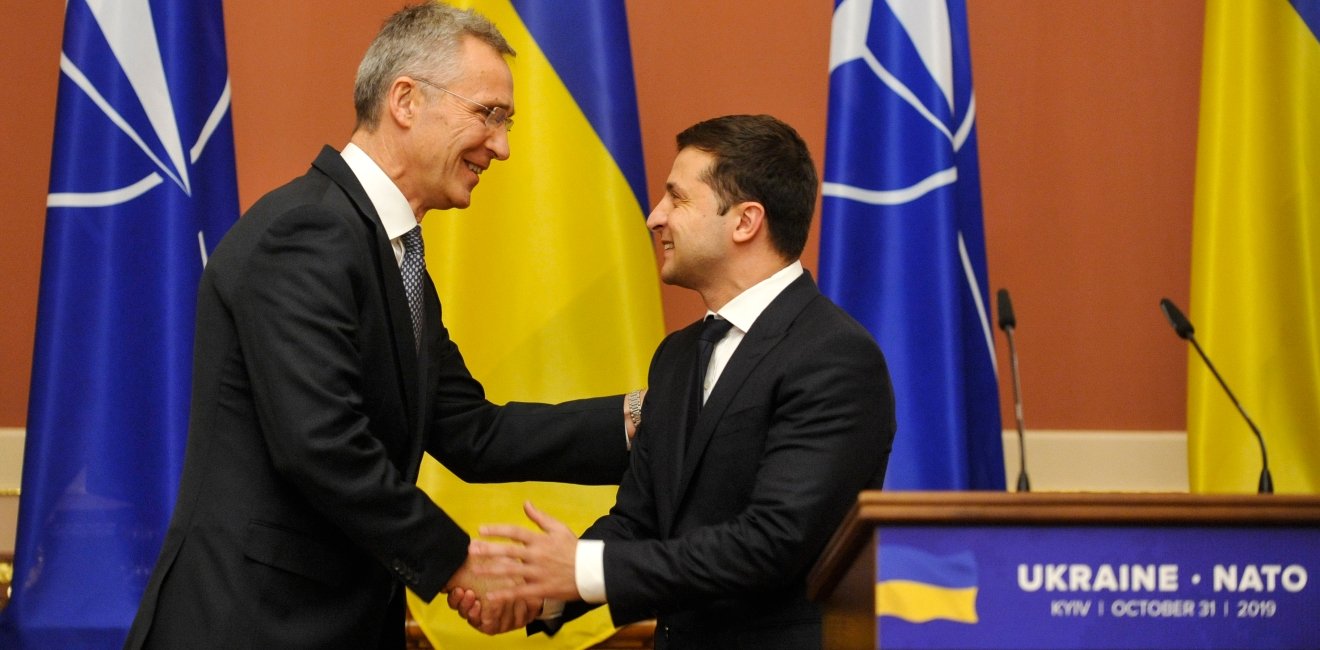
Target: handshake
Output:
[(504, 585)]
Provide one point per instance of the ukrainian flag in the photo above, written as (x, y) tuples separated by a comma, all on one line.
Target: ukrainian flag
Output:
[(548, 280), (919, 587), (1256, 247)]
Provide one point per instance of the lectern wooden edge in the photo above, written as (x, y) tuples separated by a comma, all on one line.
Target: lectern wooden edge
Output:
[(843, 579)]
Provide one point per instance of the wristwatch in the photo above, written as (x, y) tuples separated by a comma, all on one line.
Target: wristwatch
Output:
[(635, 407)]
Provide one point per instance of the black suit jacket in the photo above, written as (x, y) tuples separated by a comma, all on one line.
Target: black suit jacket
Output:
[(715, 540), (298, 522)]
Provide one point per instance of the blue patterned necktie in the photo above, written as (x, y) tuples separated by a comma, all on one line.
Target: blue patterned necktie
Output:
[(413, 268)]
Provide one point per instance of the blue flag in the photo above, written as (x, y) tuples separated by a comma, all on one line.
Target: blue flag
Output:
[(902, 243), (142, 187)]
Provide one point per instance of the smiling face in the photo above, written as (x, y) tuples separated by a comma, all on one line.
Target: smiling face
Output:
[(450, 145), (695, 237)]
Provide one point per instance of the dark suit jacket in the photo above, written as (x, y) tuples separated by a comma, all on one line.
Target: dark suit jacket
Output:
[(298, 522), (716, 540)]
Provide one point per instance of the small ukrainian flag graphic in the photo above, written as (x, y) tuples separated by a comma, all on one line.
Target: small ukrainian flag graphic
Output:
[(919, 587)]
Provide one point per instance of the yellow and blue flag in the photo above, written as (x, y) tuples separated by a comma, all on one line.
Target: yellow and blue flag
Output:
[(1256, 247), (919, 587), (142, 188), (548, 280), (902, 242)]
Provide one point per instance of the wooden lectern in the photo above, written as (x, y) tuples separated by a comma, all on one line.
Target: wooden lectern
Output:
[(1072, 570)]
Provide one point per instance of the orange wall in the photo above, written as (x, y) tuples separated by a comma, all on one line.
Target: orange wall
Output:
[(1087, 121)]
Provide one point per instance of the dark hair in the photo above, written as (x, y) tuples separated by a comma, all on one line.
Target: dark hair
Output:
[(759, 158), (423, 39)]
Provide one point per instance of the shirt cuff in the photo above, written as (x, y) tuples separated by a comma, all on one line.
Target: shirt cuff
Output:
[(589, 570)]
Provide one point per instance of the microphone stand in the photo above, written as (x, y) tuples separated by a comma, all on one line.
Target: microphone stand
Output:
[(1266, 483), (1008, 323), (1023, 482), (1184, 329)]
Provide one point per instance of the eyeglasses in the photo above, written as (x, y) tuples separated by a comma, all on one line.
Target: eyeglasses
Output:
[(496, 116)]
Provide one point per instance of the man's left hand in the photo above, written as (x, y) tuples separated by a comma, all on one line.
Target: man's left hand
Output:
[(546, 560)]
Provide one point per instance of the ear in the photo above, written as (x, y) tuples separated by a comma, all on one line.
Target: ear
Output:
[(403, 101), (749, 221)]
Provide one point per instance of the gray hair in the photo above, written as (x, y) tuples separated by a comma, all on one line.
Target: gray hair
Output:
[(423, 39)]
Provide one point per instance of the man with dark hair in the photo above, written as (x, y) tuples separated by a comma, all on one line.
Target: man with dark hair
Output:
[(751, 450), (322, 372)]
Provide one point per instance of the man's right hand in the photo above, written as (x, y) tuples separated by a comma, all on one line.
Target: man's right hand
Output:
[(467, 595)]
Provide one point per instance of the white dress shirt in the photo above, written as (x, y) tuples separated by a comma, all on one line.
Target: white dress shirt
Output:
[(395, 212)]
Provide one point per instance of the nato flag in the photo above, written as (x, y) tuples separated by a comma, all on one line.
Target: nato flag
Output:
[(902, 244), (142, 187)]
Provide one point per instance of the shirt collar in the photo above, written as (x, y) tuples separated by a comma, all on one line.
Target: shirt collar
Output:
[(747, 306), (395, 213)]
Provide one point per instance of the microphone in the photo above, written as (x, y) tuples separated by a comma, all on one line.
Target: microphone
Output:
[(1184, 329), (1008, 323)]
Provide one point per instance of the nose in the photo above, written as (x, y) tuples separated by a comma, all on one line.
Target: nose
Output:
[(498, 143), (658, 218)]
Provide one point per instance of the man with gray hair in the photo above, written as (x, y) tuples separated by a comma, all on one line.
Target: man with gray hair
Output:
[(322, 372)]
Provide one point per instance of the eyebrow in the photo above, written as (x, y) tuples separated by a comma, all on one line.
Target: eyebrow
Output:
[(508, 106)]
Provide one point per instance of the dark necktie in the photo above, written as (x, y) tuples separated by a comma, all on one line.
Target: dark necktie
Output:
[(712, 331), (413, 269)]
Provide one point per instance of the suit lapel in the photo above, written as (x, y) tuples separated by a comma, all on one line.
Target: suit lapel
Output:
[(664, 432), (768, 330), (332, 164), (681, 388)]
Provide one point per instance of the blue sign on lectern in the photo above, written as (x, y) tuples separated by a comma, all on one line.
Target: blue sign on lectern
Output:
[(993, 587)]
